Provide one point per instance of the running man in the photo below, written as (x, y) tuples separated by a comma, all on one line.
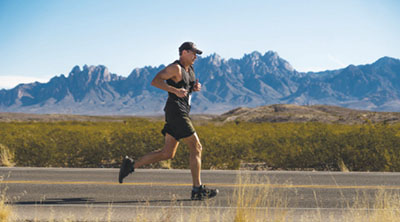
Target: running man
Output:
[(178, 79)]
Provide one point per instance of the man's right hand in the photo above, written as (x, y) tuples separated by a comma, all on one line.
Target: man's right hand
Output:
[(181, 92)]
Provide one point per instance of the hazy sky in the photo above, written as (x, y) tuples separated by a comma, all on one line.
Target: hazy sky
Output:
[(40, 39)]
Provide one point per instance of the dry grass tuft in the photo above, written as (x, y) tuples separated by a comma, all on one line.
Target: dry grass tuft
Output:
[(5, 210), (255, 200), (6, 156), (342, 166), (384, 207)]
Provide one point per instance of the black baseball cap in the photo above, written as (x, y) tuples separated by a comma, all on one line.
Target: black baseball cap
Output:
[(189, 46)]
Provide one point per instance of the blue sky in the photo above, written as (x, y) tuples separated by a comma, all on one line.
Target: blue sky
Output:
[(40, 39)]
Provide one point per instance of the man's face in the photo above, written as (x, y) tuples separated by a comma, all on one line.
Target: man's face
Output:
[(190, 56)]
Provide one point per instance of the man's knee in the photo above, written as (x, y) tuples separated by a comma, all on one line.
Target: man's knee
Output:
[(197, 148)]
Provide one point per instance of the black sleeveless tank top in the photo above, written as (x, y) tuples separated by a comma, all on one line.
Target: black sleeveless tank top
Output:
[(175, 103)]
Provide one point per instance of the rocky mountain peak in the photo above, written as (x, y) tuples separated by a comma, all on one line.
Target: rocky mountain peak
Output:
[(386, 61), (75, 70), (254, 56), (272, 59), (272, 54), (214, 59), (269, 61), (352, 68), (99, 74), (90, 74)]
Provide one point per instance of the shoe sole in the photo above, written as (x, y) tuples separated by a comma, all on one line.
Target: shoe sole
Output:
[(206, 198), (123, 166)]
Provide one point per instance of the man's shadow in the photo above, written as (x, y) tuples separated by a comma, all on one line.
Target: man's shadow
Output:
[(90, 201)]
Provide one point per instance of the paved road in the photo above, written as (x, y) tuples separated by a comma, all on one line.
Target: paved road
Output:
[(95, 194)]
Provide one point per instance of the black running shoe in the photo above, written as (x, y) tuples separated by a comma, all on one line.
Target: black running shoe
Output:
[(126, 168), (204, 193)]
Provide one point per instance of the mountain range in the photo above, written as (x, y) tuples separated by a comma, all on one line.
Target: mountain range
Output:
[(254, 80)]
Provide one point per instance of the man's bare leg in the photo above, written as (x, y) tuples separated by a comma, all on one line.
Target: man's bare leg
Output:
[(195, 149), (167, 152)]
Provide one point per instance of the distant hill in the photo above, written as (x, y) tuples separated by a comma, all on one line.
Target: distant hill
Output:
[(254, 80), (315, 113)]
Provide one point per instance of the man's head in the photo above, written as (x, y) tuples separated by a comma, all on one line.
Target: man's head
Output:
[(189, 46), (187, 52)]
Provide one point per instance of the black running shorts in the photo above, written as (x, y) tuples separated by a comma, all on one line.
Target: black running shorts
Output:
[(178, 125)]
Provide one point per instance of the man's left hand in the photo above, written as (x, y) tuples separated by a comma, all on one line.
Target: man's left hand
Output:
[(197, 86)]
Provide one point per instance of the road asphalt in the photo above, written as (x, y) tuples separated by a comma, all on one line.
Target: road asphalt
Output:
[(84, 194)]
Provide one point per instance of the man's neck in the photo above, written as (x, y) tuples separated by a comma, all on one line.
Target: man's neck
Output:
[(185, 65)]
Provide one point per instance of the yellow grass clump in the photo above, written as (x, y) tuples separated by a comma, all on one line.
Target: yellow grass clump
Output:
[(255, 200), (6, 156), (385, 207), (5, 210)]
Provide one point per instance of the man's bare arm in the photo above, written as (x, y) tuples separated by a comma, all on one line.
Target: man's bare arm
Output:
[(170, 72)]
